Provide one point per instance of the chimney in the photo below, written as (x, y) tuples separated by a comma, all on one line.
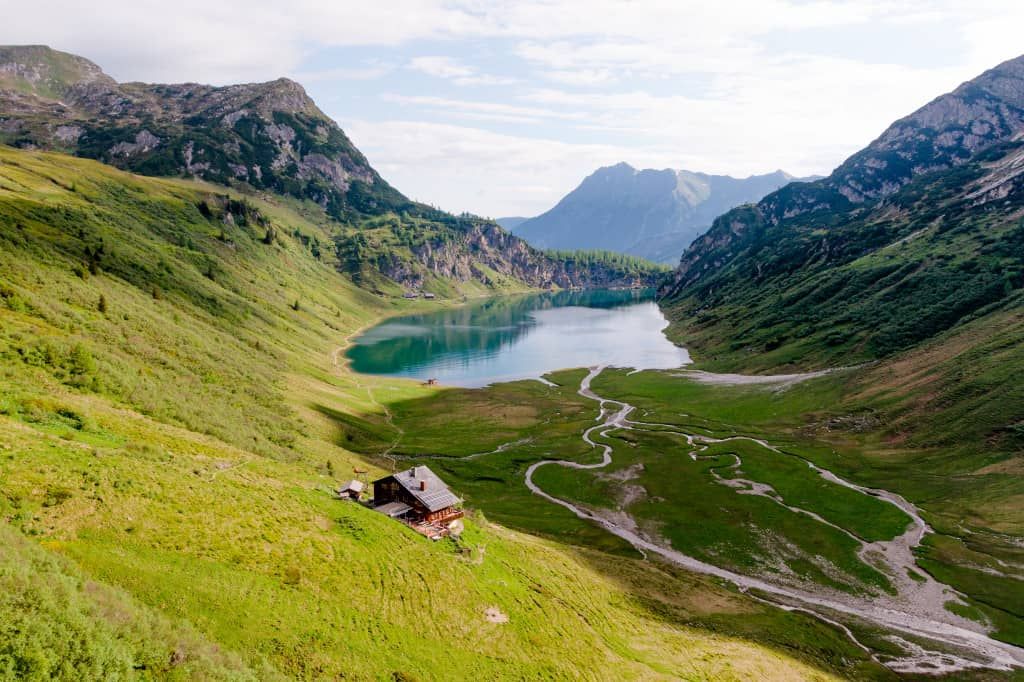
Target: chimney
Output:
[(423, 484)]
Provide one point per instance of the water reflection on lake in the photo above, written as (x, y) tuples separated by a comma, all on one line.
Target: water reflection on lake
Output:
[(520, 337)]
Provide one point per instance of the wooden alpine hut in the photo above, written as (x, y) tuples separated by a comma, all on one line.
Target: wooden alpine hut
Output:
[(416, 495)]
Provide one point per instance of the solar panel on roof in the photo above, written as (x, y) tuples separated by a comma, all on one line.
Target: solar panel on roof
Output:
[(427, 488)]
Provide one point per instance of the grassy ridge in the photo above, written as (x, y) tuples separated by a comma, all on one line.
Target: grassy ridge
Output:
[(171, 422)]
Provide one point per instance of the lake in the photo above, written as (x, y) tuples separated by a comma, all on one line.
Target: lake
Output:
[(520, 337)]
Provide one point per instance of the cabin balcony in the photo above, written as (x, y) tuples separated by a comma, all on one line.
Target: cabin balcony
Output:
[(445, 516)]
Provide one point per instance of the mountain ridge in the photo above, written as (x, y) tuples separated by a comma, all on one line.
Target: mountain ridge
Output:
[(269, 135), (796, 263), (941, 135)]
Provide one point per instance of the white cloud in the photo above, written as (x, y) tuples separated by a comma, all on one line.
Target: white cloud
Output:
[(365, 72), (498, 111), (234, 40), (222, 42), (764, 117), (455, 71), (582, 77), (441, 67)]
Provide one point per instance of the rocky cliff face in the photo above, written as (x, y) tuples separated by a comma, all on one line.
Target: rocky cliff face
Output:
[(503, 255), (943, 135), (268, 135), (654, 214)]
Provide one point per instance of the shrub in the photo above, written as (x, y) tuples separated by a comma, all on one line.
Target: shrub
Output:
[(80, 361)]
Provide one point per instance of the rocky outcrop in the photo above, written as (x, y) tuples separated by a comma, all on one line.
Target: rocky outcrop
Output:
[(485, 250)]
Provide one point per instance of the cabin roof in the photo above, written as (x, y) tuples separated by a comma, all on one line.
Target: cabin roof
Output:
[(435, 495)]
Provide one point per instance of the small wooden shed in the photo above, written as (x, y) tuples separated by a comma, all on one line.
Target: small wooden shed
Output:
[(352, 490)]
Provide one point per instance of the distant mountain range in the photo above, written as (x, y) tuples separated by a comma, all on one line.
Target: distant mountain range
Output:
[(654, 214)]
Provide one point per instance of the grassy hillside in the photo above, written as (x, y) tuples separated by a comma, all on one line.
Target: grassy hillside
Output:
[(928, 284), (908, 265), (172, 420)]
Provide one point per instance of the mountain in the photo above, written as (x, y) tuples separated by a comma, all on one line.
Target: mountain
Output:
[(902, 276), (271, 137), (654, 214), (911, 253), (908, 237)]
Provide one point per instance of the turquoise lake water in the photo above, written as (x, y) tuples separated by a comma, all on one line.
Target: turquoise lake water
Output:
[(520, 337)]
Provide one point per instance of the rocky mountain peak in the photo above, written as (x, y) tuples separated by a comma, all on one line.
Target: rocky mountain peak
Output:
[(281, 95), (268, 135), (944, 133), (45, 72), (652, 213)]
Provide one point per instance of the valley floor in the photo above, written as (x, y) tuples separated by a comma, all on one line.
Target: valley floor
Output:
[(172, 427)]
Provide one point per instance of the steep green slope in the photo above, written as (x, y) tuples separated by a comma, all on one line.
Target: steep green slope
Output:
[(904, 240), (169, 403), (928, 280), (907, 262), (826, 288), (917, 233)]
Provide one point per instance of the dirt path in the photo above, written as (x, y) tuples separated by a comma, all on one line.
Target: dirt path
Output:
[(389, 418), (476, 455), (916, 611)]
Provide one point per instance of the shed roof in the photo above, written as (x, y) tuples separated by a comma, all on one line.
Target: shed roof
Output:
[(424, 485), (352, 486)]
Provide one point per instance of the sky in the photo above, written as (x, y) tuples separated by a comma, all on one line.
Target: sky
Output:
[(500, 108)]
